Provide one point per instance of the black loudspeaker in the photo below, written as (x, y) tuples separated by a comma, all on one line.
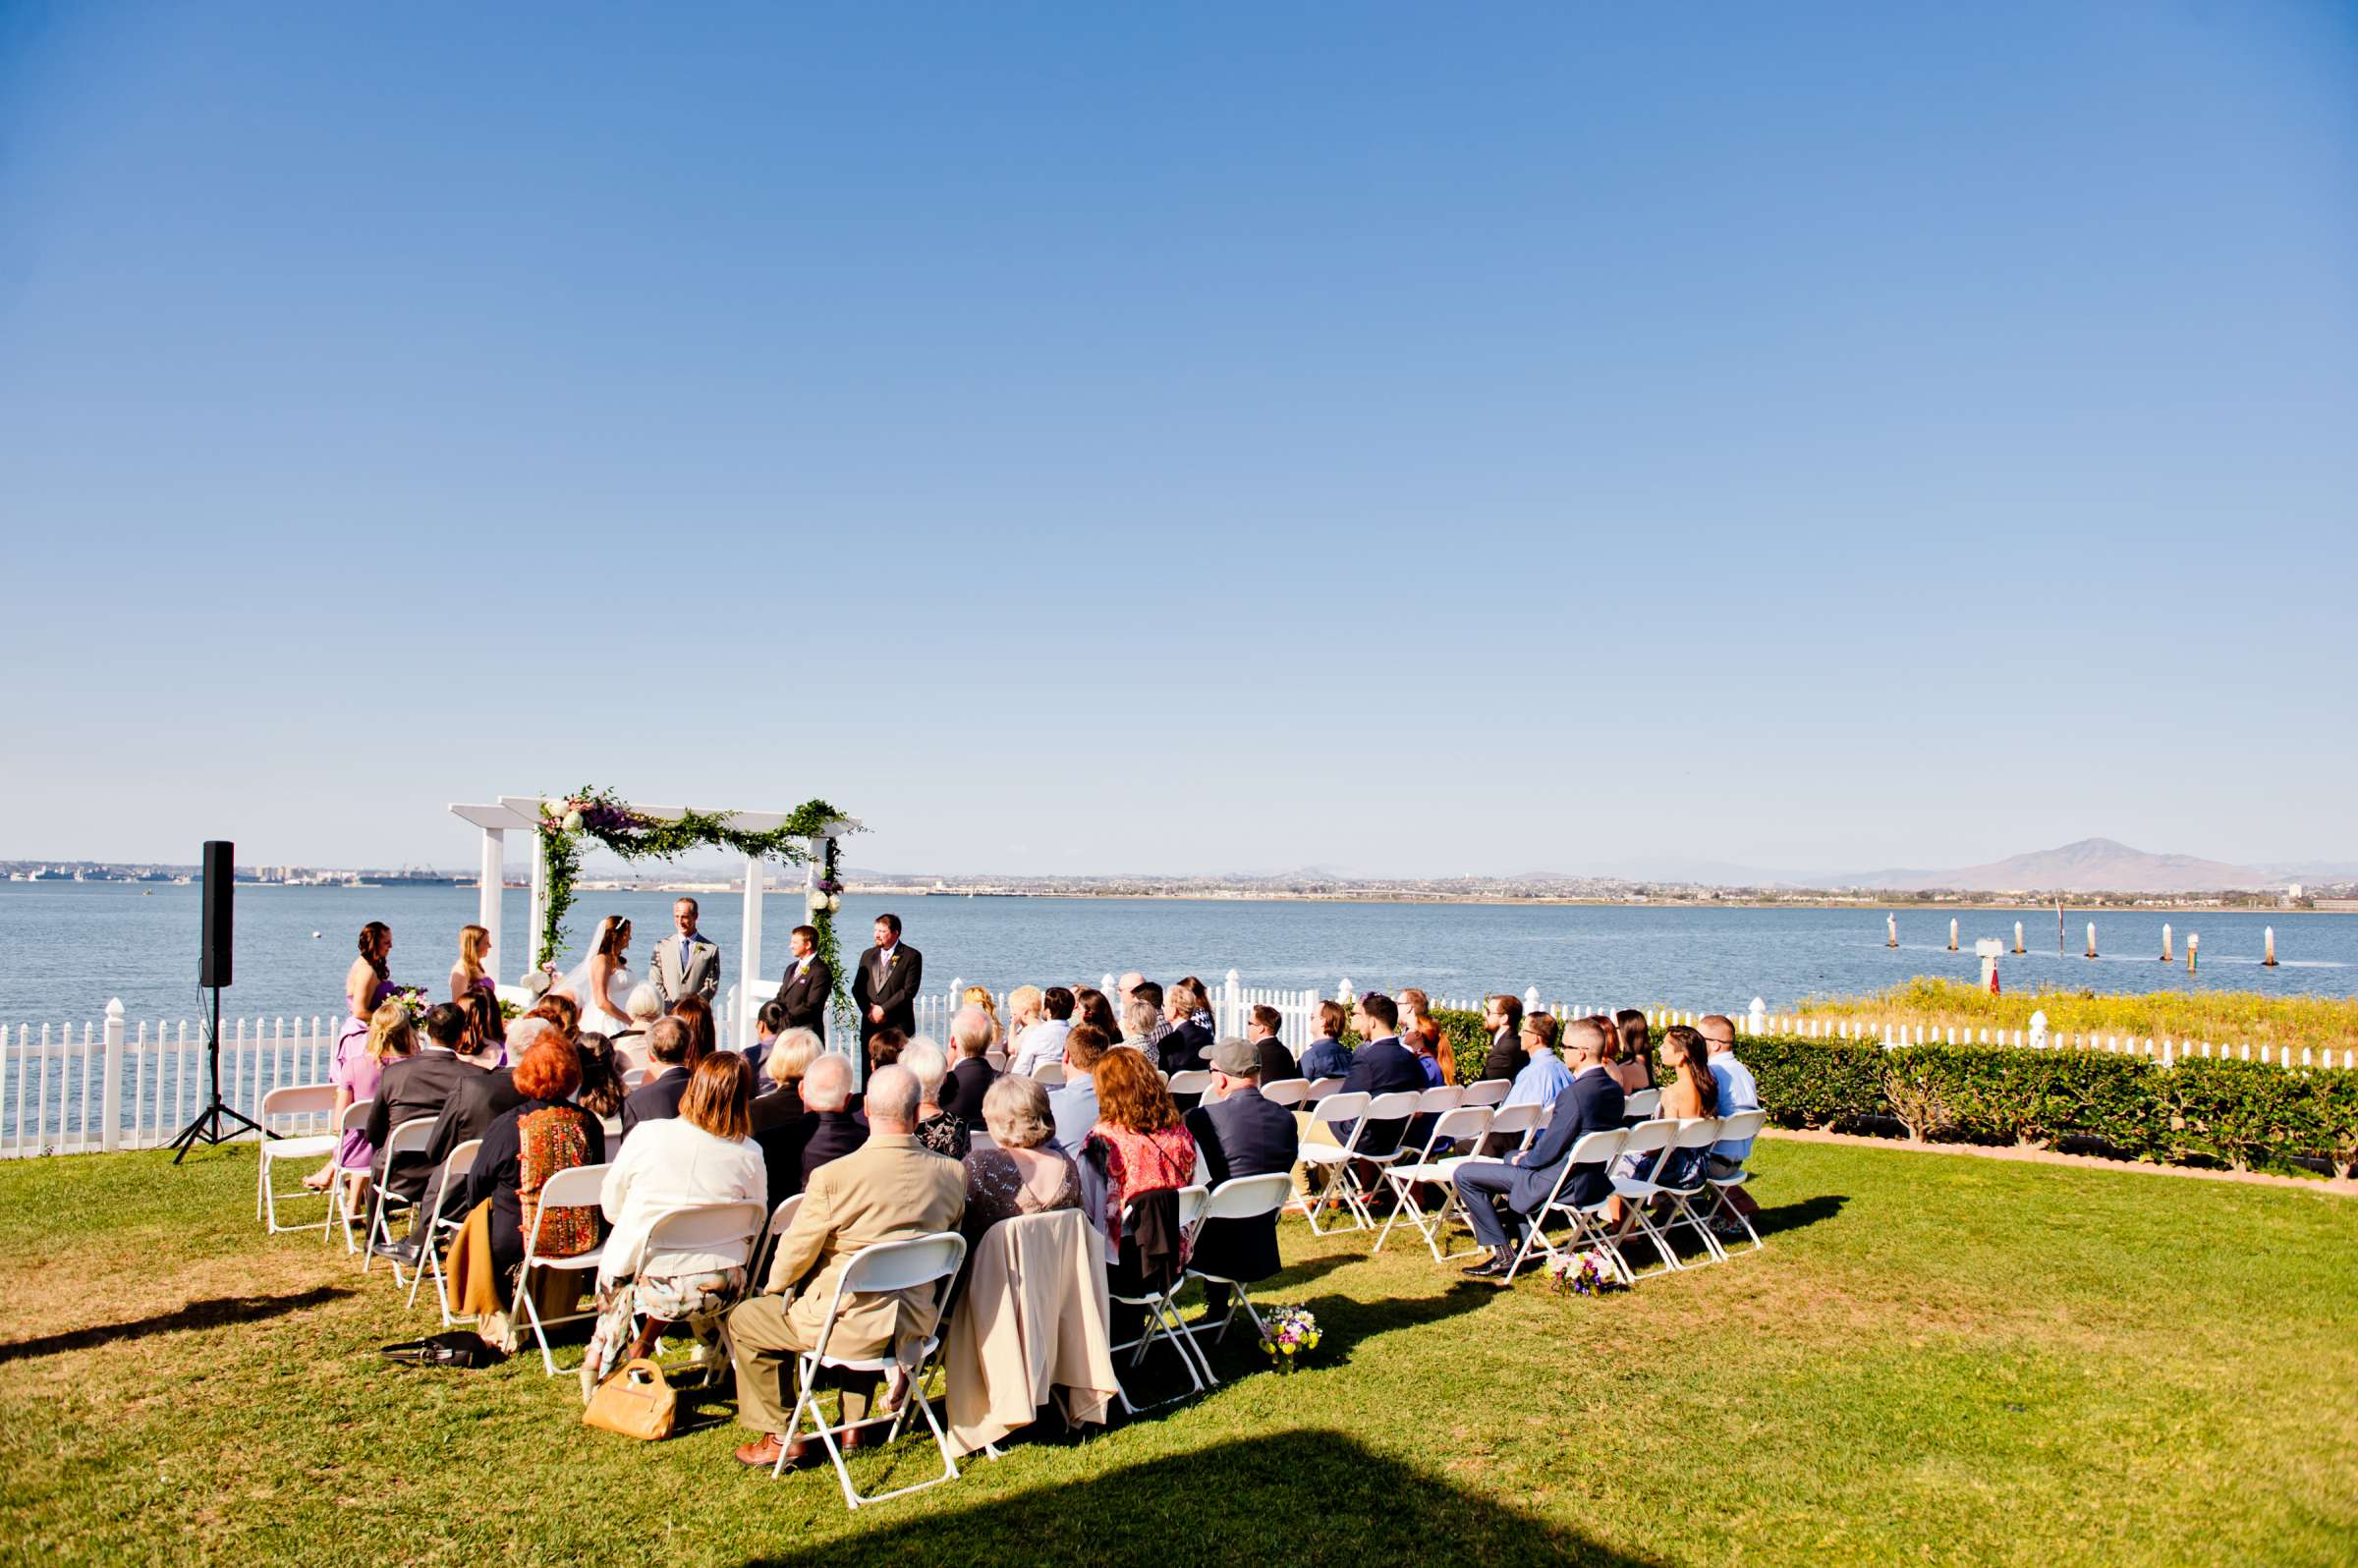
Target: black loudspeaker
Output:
[(220, 882)]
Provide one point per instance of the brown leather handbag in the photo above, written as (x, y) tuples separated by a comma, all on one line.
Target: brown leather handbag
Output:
[(634, 1401)]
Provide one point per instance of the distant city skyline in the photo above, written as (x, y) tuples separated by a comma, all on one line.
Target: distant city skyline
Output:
[(1074, 439)]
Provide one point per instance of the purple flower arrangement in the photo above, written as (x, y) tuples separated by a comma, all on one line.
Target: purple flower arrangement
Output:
[(1589, 1273), (1291, 1330)]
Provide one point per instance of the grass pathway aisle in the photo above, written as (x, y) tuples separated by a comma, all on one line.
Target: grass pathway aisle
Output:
[(1938, 1361)]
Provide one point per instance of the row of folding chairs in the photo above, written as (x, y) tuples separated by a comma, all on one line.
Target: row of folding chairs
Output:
[(1657, 1141)]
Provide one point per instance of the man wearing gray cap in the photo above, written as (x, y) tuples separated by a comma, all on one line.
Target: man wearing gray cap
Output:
[(1239, 1134)]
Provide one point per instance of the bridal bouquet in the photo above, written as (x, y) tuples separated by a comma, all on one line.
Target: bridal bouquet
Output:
[(1291, 1330), (413, 1001), (1589, 1273)]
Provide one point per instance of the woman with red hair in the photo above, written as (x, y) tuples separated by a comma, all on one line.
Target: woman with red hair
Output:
[(527, 1145)]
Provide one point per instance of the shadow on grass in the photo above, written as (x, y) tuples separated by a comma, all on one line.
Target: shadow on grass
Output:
[(1794, 1216), (1287, 1498), (209, 1314)]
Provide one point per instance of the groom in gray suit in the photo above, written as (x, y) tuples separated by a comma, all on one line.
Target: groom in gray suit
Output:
[(686, 965)]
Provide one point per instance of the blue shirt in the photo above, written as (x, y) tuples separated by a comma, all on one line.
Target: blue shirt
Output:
[(1074, 1105), (1543, 1078), (1325, 1058), (1433, 1069), (1737, 1092)]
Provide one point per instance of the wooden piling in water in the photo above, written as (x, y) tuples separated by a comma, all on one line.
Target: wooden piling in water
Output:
[(1890, 930), (2268, 936), (2091, 938), (2165, 941), (2194, 944), (2018, 936), (1952, 935)]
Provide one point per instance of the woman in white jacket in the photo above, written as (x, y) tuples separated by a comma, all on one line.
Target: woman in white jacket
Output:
[(703, 1156)]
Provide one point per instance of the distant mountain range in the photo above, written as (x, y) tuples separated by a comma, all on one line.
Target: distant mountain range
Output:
[(2091, 866)]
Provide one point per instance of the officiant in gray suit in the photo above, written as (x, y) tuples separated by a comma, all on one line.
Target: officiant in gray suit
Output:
[(686, 963)]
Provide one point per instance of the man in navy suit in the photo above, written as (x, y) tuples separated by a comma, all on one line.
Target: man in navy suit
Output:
[(668, 1042), (1381, 1066), (1591, 1103), (1239, 1134)]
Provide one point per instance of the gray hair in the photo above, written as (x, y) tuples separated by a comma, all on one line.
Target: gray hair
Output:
[(972, 1031), (1138, 1018), (892, 1095), (923, 1058), (827, 1083), (522, 1033), (1016, 1110), (791, 1055), (644, 1004)]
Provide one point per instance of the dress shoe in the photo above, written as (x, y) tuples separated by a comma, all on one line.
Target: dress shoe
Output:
[(1492, 1267), (401, 1251), (764, 1455)]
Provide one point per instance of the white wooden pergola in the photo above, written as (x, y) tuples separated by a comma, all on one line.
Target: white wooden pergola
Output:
[(522, 812)]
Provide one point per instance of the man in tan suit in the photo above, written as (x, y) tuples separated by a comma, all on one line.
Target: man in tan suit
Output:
[(888, 1190)]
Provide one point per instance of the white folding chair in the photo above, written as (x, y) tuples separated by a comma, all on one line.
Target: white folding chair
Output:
[(1286, 1091), (1401, 1105), (582, 1187), (1440, 1097), (978, 1139), (1320, 1087), (1647, 1138), (1522, 1123), (1734, 1130), (728, 1230), (1048, 1074), (1433, 1164), (1325, 1162), (294, 1099), (344, 1186), (1194, 1081), (1642, 1191), (888, 1268), (410, 1137), (455, 1167), (1240, 1198), (1162, 1312), (767, 1247), (997, 1059), (1593, 1148), (1642, 1105), (1490, 1091)]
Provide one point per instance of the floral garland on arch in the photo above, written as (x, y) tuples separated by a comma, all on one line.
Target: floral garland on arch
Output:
[(602, 814)]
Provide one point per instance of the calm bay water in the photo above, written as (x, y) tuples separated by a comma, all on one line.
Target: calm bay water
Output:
[(66, 947)]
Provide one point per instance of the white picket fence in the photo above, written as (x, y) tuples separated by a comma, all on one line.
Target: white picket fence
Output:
[(115, 1085)]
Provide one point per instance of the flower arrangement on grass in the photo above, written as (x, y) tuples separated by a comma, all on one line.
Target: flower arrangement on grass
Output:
[(1589, 1273), (1291, 1330)]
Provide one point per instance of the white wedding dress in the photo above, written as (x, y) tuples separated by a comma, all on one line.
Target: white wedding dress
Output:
[(606, 1015)]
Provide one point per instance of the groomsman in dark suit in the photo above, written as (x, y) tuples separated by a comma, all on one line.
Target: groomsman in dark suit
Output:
[(808, 985), (886, 985)]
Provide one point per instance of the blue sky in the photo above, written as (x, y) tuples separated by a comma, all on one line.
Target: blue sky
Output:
[(1094, 438)]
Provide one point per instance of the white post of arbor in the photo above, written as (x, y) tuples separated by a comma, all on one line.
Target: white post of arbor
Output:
[(490, 875), (748, 1002)]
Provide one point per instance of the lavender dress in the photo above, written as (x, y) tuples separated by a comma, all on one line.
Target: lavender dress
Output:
[(354, 1069)]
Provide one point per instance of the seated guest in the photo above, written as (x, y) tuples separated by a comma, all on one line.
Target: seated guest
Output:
[(979, 996), (1382, 1066), (781, 1126), (1043, 1042), (1328, 1056), (643, 1006), (1140, 1021), (705, 1154), (1423, 1036), (487, 1041), (834, 1129), (1090, 1007), (1139, 1148), (885, 1047), (1736, 1093), (359, 1069), (769, 1024), (602, 1093), (531, 1141), (971, 1034), (1074, 1104), (936, 1129), (1277, 1063), (1240, 1133), (1027, 1174), (414, 1087), (1501, 1196), (1690, 1094), (1503, 1015), (704, 1030), (560, 1009), (1543, 1077), (670, 1044), (1149, 993), (889, 1189), (1181, 1048), (473, 1106), (1024, 1009), (1629, 1051)]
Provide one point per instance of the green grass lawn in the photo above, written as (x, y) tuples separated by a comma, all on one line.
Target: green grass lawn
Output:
[(1937, 1358)]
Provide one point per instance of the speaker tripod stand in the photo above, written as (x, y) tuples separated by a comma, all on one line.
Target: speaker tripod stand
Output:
[(216, 1122)]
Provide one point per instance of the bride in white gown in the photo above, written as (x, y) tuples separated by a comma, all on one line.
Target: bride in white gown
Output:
[(602, 982)]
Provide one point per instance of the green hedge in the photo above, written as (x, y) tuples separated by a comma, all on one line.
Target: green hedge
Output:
[(2229, 1113)]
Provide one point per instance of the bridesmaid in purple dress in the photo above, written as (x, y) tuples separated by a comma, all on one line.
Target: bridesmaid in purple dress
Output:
[(366, 984), (472, 971)]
